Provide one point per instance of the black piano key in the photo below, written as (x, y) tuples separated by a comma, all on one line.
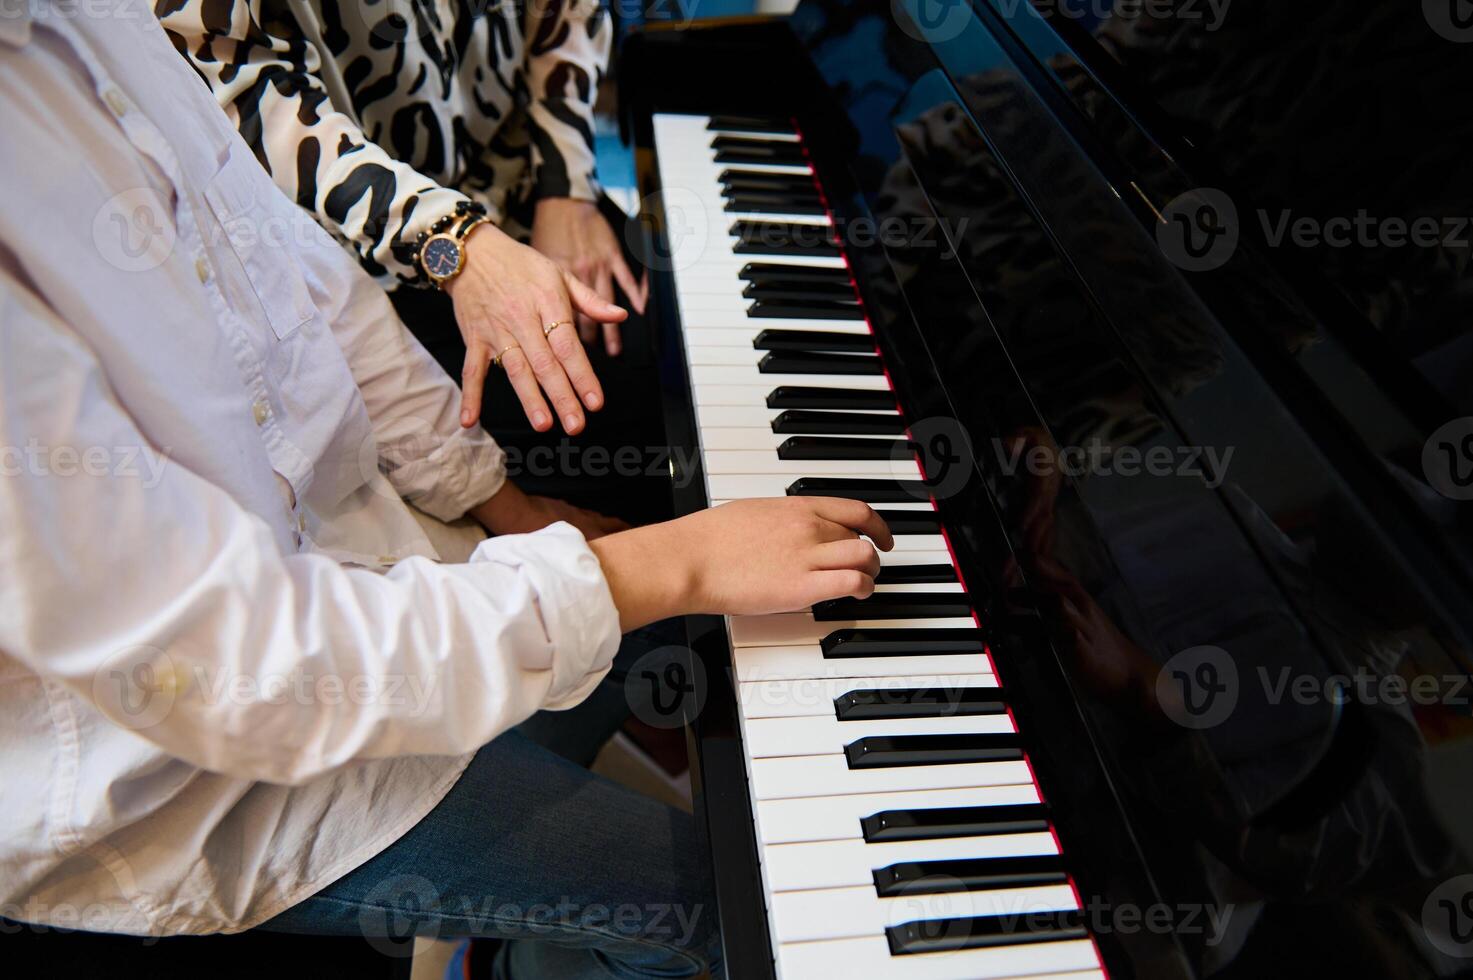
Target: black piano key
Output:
[(911, 521), (836, 447), (860, 642), (959, 821), (782, 238), (747, 149), (805, 244), (839, 423), (750, 124), (890, 751), (895, 605), (761, 182), (870, 491), (838, 291), (813, 340), (758, 155), (800, 396), (802, 362), (877, 704), (824, 309), (772, 205), (798, 187), (765, 272), (912, 574), (973, 874), (941, 935)]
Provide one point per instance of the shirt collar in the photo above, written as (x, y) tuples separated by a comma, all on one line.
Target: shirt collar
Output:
[(15, 24)]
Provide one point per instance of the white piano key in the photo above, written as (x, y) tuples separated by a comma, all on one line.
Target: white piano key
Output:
[(754, 439), (760, 417), (723, 337), (744, 486), (791, 629), (840, 913), (756, 394), (799, 169), (770, 738), (885, 588), (694, 318), (918, 542), (704, 354), (829, 775), (766, 461), (816, 220), (718, 256), (795, 697), (816, 818), (788, 663), (870, 958), (851, 862), (752, 134), (711, 376)]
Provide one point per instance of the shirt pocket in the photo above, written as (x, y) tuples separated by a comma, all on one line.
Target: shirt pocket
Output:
[(261, 236)]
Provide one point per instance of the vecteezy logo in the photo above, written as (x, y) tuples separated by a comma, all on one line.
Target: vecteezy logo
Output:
[(1447, 916), (1447, 459), (666, 687), (397, 909), (932, 20), (136, 687), (1198, 688), (681, 215), (134, 230), (939, 452), (1198, 229), (1451, 19)]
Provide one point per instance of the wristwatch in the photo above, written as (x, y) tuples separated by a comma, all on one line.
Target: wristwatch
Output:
[(440, 252)]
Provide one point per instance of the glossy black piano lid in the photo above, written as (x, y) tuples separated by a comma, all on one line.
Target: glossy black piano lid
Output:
[(1267, 629)]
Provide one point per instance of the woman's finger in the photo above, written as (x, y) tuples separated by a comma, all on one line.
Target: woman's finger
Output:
[(587, 301), (472, 382), (631, 286), (518, 369), (546, 354), (613, 337), (571, 353)]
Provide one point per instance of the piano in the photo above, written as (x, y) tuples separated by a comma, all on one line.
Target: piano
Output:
[(1105, 313)]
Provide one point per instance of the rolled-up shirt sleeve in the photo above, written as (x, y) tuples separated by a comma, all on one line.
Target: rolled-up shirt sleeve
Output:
[(241, 659)]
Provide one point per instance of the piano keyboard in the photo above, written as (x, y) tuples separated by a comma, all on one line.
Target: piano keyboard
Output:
[(901, 832)]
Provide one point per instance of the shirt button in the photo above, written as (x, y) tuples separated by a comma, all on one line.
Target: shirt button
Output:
[(301, 522), (202, 269), (115, 101), (261, 411), (386, 559)]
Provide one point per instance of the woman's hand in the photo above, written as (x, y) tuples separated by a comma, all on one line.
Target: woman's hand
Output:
[(575, 235), (747, 557), (510, 511), (504, 298)]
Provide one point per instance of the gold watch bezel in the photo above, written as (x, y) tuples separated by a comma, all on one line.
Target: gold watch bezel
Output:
[(459, 257)]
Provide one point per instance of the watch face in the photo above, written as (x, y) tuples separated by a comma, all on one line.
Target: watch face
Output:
[(441, 257)]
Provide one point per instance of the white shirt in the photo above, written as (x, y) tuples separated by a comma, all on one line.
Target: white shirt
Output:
[(213, 699)]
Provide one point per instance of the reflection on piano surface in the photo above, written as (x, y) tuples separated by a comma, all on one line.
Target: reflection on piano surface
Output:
[(1135, 695)]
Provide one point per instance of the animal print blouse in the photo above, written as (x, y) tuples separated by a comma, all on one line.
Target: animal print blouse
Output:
[(379, 116)]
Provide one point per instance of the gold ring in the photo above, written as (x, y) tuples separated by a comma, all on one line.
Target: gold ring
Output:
[(496, 361), (553, 326)]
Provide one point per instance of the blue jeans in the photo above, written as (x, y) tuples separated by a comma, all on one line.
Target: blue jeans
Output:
[(585, 878)]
